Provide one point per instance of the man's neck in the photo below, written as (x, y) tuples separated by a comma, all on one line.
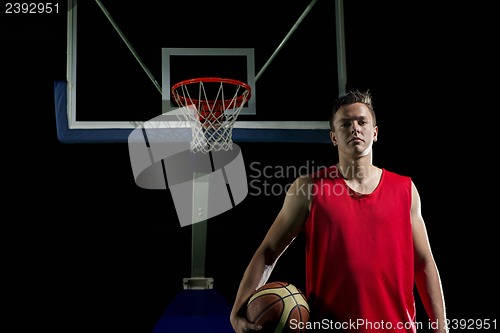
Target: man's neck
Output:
[(358, 170), (354, 171), (362, 178)]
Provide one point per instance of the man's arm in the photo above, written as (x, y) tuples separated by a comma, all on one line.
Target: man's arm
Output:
[(427, 277), (283, 231)]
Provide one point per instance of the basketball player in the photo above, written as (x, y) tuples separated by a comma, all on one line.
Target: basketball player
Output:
[(366, 241)]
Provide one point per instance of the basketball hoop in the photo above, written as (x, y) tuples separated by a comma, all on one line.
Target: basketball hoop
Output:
[(211, 106)]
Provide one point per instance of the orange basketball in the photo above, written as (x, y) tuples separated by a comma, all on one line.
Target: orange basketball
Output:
[(279, 307)]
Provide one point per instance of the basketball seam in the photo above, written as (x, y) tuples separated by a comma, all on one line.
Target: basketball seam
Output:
[(264, 311)]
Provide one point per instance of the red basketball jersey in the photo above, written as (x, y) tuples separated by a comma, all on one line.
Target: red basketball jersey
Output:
[(359, 255)]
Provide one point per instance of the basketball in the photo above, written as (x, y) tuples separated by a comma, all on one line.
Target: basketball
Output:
[(279, 307)]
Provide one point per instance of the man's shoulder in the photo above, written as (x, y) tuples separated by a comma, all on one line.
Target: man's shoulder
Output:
[(395, 176)]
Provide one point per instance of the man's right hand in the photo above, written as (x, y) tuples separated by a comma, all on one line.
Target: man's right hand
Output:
[(241, 325)]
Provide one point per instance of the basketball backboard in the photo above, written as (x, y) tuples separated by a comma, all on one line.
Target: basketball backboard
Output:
[(123, 59)]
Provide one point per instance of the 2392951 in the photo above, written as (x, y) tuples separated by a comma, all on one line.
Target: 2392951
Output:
[(471, 324), (31, 8)]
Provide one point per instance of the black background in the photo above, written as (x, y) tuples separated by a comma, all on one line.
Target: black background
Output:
[(85, 249)]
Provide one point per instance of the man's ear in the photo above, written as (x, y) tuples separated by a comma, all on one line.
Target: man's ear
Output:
[(375, 134), (332, 137)]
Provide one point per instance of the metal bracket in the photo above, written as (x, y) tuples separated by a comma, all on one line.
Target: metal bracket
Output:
[(198, 283)]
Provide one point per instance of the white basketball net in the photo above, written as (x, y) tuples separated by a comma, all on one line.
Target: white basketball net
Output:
[(211, 106)]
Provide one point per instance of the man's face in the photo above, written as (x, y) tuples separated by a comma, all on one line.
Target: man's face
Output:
[(354, 131)]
